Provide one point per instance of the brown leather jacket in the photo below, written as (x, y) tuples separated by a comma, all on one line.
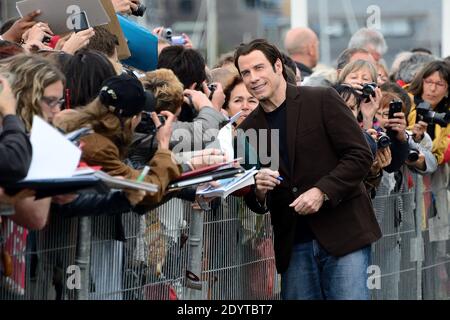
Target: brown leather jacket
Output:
[(100, 151), (326, 150)]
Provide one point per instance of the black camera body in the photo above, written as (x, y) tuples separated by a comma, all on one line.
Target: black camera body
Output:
[(140, 11), (147, 126), (368, 90), (425, 114), (383, 141)]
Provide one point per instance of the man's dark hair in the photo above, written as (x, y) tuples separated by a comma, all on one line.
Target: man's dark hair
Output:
[(346, 55), (7, 25), (85, 73), (103, 41), (396, 89), (422, 50), (270, 51), (187, 64)]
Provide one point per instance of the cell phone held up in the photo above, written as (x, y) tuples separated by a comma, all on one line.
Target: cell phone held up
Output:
[(394, 108), (80, 22)]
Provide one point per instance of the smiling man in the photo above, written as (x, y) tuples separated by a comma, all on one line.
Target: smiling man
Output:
[(322, 217)]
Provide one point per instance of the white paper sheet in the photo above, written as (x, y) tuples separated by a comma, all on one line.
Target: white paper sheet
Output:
[(54, 156)]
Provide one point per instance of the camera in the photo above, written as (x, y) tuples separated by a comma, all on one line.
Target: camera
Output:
[(413, 155), (139, 12), (147, 126), (212, 88), (167, 34), (383, 141), (368, 90), (425, 114)]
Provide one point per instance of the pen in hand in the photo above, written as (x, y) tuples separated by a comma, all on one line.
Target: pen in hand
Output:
[(143, 174)]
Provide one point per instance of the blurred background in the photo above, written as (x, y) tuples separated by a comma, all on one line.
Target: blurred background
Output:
[(405, 24)]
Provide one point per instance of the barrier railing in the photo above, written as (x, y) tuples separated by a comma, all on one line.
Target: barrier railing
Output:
[(176, 252)]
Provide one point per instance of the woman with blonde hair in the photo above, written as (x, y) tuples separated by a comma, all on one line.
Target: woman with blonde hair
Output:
[(38, 86), (361, 75)]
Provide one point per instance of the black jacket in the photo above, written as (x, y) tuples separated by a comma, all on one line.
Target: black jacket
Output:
[(400, 152), (15, 151), (114, 205), (94, 205)]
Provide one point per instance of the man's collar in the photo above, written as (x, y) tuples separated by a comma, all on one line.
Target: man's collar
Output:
[(303, 67)]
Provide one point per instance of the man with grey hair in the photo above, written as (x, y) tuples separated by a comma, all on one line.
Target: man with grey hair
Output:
[(302, 45), (409, 68), (370, 39), (349, 55)]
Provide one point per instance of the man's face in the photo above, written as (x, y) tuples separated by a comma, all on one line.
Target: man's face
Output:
[(374, 52), (259, 76)]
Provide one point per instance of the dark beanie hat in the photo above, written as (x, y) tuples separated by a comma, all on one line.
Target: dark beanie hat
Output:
[(126, 97)]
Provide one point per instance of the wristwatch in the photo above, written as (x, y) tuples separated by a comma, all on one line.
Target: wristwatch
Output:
[(325, 197)]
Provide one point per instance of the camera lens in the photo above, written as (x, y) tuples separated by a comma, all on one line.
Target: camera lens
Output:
[(413, 156), (384, 142)]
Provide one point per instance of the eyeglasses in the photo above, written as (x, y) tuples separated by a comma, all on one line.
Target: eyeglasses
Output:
[(384, 115), (53, 102), (440, 85)]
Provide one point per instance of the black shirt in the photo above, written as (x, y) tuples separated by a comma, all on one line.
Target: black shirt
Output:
[(15, 150), (277, 120)]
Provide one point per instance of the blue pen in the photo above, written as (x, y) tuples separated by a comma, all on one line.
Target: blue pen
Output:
[(280, 179)]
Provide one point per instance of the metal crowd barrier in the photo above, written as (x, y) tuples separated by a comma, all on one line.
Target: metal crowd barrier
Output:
[(176, 252)]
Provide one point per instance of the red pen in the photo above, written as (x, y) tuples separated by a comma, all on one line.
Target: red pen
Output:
[(67, 99)]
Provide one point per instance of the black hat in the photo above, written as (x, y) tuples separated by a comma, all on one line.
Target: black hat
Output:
[(126, 97)]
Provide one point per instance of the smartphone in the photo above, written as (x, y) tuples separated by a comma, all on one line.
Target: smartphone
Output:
[(395, 107), (80, 21)]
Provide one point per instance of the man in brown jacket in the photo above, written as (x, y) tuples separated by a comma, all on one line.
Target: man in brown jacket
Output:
[(323, 219)]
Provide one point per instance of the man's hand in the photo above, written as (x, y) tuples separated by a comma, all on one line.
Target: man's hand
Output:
[(125, 6), (218, 97), (266, 180), (197, 99), (187, 41), (420, 164), (8, 102), (37, 33), (369, 109), (34, 45), (164, 131), (12, 200), (135, 196), (309, 202), (15, 33), (398, 124), (419, 131), (382, 160), (78, 41), (207, 157), (62, 200)]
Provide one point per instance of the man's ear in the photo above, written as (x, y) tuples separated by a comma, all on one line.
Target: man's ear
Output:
[(279, 66)]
